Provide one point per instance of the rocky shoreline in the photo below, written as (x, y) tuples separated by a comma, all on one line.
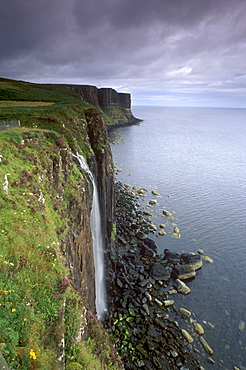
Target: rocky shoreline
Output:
[(150, 331)]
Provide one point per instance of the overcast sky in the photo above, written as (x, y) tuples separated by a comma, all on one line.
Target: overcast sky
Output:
[(164, 52)]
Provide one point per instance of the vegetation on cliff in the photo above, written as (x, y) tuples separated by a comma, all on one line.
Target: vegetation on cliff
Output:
[(43, 318)]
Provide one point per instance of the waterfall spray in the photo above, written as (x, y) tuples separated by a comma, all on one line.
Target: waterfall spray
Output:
[(98, 244)]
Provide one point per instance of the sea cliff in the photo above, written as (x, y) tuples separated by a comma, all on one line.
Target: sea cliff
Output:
[(116, 106), (47, 289), (48, 314)]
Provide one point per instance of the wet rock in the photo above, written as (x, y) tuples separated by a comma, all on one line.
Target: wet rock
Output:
[(146, 308), (172, 257), (144, 282), (161, 232), (119, 283), (134, 226), (198, 328), (200, 251), (206, 346), (155, 192), (183, 272), (148, 296), (194, 260), (166, 213), (146, 251), (158, 271), (172, 291), (182, 287), (151, 244), (152, 201), (140, 299), (176, 235), (174, 353), (121, 240), (158, 302), (152, 228), (187, 336), (210, 360), (241, 325), (207, 259), (168, 302), (184, 312), (140, 235), (147, 213)]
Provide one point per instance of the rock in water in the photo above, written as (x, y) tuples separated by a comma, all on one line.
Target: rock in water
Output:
[(168, 302), (155, 192), (185, 312), (205, 345), (182, 287), (183, 272), (152, 201), (207, 259), (187, 336), (241, 325), (194, 260), (198, 328)]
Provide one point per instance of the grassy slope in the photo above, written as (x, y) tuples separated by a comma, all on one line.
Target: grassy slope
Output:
[(33, 281)]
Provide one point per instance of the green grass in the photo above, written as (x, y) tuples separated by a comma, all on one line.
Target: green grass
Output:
[(26, 91), (13, 103), (31, 268), (34, 283), (33, 280), (49, 107)]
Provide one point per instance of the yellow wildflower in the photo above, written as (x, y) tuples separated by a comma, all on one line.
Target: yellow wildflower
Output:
[(32, 354), (13, 310)]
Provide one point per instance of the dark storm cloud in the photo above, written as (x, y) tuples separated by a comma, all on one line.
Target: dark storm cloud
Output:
[(153, 45)]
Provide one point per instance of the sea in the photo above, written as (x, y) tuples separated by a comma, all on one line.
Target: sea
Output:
[(195, 158)]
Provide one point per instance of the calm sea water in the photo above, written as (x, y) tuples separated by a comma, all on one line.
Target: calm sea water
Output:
[(196, 159)]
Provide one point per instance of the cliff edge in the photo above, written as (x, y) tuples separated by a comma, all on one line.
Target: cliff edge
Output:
[(116, 106)]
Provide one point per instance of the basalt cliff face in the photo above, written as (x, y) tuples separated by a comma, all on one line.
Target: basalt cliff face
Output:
[(77, 245), (116, 105)]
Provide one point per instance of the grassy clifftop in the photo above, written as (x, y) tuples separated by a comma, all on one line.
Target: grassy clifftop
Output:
[(40, 311)]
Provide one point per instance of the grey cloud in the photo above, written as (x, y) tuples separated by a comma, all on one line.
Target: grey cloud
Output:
[(188, 44)]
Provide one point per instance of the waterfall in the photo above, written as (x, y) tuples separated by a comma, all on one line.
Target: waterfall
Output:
[(98, 244)]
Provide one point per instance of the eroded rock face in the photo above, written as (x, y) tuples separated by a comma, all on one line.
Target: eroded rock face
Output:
[(77, 247), (102, 168), (116, 105), (77, 244)]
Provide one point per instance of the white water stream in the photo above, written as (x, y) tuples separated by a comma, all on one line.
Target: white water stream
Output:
[(98, 245)]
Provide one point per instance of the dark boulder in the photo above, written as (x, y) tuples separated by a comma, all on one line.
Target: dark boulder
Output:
[(151, 244), (183, 272), (172, 257), (194, 260), (140, 235), (146, 251), (160, 272)]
